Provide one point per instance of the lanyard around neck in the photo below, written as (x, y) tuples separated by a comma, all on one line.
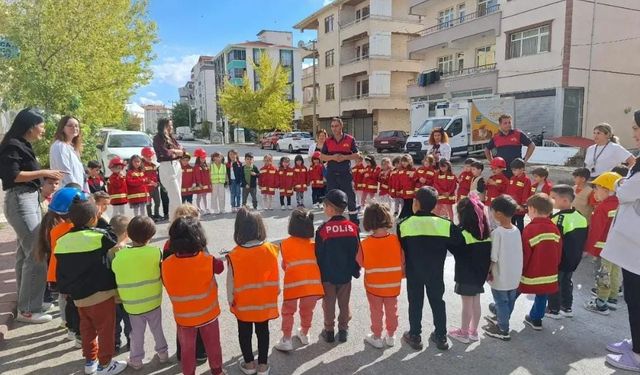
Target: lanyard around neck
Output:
[(597, 155)]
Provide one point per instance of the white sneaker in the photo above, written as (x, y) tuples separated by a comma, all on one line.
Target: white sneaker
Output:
[(113, 368), (290, 207), (71, 336), (46, 306), (90, 367), (283, 208), (373, 341), (284, 345), (390, 340), (78, 343), (304, 339), (34, 318)]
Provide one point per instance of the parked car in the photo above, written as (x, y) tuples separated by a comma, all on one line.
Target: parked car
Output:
[(120, 143), (269, 140), (390, 140), (294, 141), (184, 133)]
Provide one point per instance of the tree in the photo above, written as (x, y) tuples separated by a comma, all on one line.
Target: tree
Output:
[(180, 115), (266, 108)]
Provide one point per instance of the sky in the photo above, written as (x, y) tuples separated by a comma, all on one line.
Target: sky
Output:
[(190, 28)]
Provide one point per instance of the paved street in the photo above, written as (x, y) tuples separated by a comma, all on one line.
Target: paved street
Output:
[(567, 346)]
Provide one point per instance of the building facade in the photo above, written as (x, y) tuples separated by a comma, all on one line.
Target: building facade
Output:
[(363, 65), (204, 91), (153, 113), (186, 94), (564, 62)]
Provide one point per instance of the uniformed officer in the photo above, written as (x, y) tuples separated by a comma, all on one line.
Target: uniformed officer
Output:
[(508, 144), (338, 151)]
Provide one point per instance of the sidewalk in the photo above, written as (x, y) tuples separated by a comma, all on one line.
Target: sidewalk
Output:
[(7, 273)]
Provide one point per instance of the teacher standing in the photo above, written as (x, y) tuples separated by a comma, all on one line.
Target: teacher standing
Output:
[(168, 152), (508, 144), (606, 153), (64, 154), (318, 144), (21, 174), (623, 248), (439, 145)]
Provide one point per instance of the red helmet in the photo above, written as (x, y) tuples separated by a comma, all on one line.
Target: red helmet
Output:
[(200, 153), (147, 152), (316, 155), (498, 162), (116, 161)]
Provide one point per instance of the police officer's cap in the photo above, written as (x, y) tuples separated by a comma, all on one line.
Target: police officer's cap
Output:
[(337, 198)]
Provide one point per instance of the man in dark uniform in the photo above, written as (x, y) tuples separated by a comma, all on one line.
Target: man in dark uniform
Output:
[(508, 144), (338, 151)]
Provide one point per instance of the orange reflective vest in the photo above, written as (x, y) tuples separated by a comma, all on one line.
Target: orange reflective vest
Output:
[(382, 263), (302, 274), (56, 232), (256, 283), (192, 289)]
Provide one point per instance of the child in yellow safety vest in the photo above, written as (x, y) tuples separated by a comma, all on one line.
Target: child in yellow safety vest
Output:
[(383, 261), (137, 270), (302, 284)]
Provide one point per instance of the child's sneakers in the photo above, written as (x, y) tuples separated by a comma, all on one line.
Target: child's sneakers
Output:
[(283, 207), (328, 336), (163, 357), (113, 368), (303, 337), (134, 365), (493, 319), (621, 347), (494, 331), (536, 324), (567, 312), (459, 335), (285, 345), (34, 318), (473, 335), (290, 207), (612, 304), (390, 340), (553, 314), (440, 341), (414, 341), (374, 341), (90, 366), (597, 306)]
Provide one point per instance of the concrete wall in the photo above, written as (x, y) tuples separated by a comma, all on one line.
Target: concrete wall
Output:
[(535, 114), (391, 119)]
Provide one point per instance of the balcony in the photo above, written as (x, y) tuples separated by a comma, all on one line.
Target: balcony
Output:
[(368, 64), (480, 77), (307, 79), (371, 102), (420, 7), (369, 24), (457, 30)]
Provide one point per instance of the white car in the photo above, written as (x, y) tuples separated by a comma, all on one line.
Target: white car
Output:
[(294, 141), (120, 143), (184, 133)]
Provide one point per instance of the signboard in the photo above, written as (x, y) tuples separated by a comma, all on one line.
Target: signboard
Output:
[(484, 117), (8, 50)]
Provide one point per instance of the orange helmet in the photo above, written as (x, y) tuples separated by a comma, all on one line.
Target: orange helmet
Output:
[(498, 162), (147, 152), (200, 153), (116, 161), (316, 155)]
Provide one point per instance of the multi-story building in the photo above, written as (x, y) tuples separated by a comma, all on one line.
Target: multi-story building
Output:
[(186, 94), (565, 62), (363, 64), (204, 90), (238, 59), (153, 113)]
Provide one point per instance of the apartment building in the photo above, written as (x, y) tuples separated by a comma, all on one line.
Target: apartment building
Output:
[(203, 82), (153, 113), (363, 64), (565, 62), (238, 59), (185, 94)]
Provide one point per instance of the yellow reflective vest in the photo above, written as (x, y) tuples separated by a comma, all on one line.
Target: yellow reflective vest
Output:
[(137, 271)]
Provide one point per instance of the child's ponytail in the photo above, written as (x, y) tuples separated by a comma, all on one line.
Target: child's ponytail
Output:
[(43, 246), (472, 217)]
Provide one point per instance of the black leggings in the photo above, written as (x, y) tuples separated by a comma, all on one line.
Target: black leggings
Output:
[(317, 194), (72, 316), (631, 288), (245, 331), (282, 200)]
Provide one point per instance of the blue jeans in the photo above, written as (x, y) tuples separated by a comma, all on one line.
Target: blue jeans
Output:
[(236, 193), (539, 307), (504, 300)]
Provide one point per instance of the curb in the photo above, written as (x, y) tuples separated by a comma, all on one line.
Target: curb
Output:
[(8, 297)]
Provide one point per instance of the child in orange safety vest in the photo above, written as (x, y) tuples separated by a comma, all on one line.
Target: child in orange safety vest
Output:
[(253, 286), (302, 284), (188, 276), (382, 259)]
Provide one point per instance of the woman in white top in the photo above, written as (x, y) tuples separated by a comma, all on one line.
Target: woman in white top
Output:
[(321, 137), (623, 248), (439, 142), (606, 153), (64, 154)]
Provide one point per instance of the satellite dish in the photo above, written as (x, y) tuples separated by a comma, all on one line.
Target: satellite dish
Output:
[(301, 44)]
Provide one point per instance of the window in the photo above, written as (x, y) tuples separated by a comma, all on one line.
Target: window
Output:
[(445, 18), (486, 56), (328, 58), (362, 14), (329, 93), (462, 11), (529, 42), (237, 54), (256, 55), (460, 61), (455, 128), (362, 88), (237, 73), (362, 52), (487, 7), (286, 57), (129, 140), (328, 24), (445, 64)]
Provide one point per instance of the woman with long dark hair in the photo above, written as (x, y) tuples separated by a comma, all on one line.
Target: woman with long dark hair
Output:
[(623, 248), (21, 175), (64, 153), (168, 152)]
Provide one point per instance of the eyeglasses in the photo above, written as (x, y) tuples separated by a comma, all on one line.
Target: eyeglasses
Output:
[(72, 125)]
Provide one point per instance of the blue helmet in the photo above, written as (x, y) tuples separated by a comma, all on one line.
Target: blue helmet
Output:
[(63, 198)]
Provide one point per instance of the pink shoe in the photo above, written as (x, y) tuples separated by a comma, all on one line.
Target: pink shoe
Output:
[(459, 335), (473, 335)]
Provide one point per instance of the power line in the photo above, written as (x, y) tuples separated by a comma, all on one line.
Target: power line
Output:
[(606, 42)]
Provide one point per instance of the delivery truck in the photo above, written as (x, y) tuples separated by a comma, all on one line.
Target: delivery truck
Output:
[(470, 124)]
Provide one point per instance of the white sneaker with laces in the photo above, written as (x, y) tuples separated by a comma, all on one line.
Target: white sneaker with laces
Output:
[(283, 208), (71, 336), (34, 318), (284, 345), (90, 367), (113, 368), (376, 342), (304, 339), (390, 340)]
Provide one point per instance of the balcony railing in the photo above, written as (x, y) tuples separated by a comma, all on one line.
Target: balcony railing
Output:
[(460, 20), (354, 60), (458, 72), (379, 18)]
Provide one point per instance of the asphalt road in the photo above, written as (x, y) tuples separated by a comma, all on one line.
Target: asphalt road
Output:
[(574, 346)]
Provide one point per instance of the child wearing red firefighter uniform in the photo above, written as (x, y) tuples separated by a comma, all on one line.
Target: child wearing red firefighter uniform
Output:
[(316, 175), (188, 181), (519, 189), (117, 186)]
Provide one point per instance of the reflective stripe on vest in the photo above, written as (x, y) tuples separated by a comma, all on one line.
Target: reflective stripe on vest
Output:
[(544, 237), (218, 175), (192, 288), (425, 226), (137, 273), (599, 244), (539, 280), (138, 195), (255, 282), (612, 213), (382, 263), (470, 239), (83, 241), (118, 196), (302, 274)]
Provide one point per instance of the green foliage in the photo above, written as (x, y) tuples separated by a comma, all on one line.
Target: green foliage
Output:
[(180, 115), (264, 109)]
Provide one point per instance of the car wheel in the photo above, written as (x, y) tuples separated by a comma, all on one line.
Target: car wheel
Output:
[(278, 147), (379, 150), (290, 149)]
